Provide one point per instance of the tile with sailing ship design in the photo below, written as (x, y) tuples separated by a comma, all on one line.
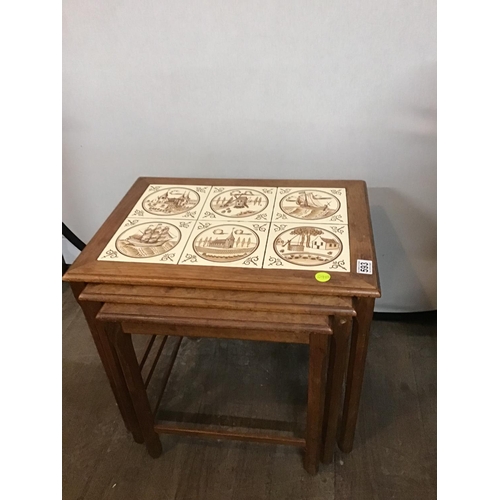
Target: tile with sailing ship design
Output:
[(308, 246), (226, 243), (171, 202), (321, 205), (143, 240), (239, 203)]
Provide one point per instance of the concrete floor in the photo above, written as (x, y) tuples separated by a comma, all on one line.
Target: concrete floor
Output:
[(394, 453)]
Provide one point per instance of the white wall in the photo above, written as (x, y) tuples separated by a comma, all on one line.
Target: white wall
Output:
[(270, 89)]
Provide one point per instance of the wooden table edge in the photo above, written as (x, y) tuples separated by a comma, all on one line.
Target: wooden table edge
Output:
[(348, 291)]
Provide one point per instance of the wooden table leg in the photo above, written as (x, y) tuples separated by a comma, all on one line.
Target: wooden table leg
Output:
[(318, 355), (339, 350), (357, 358), (132, 373), (110, 363)]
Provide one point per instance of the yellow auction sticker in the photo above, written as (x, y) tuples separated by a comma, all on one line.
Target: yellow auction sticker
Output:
[(322, 277)]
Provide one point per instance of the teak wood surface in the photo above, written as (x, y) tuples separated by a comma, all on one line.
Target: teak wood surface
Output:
[(396, 430), (280, 293), (311, 329), (88, 269), (218, 299), (111, 318)]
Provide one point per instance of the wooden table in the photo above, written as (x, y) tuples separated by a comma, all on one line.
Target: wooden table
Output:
[(197, 242)]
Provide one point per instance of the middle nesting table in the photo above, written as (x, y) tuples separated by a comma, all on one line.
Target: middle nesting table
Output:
[(322, 322)]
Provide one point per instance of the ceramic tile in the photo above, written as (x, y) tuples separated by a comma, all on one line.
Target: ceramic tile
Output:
[(226, 243), (236, 226), (321, 205), (239, 203), (171, 202), (148, 240), (310, 246)]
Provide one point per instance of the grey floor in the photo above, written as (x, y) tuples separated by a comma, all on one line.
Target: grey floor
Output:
[(394, 453)]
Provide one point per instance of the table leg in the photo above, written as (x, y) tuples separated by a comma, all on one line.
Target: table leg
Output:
[(109, 360), (318, 351), (132, 373), (339, 349), (357, 358)]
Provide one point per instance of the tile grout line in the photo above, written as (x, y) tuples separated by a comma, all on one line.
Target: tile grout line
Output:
[(269, 231), (228, 220), (197, 220), (346, 211), (194, 225), (206, 201)]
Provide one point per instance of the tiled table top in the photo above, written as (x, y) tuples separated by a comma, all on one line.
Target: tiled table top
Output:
[(240, 226)]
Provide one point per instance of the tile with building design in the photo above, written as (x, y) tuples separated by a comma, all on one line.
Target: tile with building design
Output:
[(226, 243), (171, 202), (143, 240), (321, 205), (239, 203), (309, 246)]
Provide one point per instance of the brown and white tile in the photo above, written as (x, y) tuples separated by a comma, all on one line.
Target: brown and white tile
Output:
[(239, 203), (171, 202), (308, 247), (226, 243), (159, 241), (321, 205)]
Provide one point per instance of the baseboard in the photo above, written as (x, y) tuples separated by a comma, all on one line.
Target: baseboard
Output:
[(425, 317)]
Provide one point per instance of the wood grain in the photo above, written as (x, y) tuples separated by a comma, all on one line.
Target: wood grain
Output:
[(110, 363), (86, 268), (317, 327), (318, 362), (147, 328), (218, 299), (167, 428), (339, 349), (132, 373), (285, 305), (202, 317), (355, 372), (395, 446)]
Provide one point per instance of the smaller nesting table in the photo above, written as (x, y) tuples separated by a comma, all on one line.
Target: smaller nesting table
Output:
[(235, 259)]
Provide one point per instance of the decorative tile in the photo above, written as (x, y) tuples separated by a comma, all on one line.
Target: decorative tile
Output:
[(239, 203), (142, 240), (308, 247), (321, 205), (226, 243), (236, 226), (171, 202)]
